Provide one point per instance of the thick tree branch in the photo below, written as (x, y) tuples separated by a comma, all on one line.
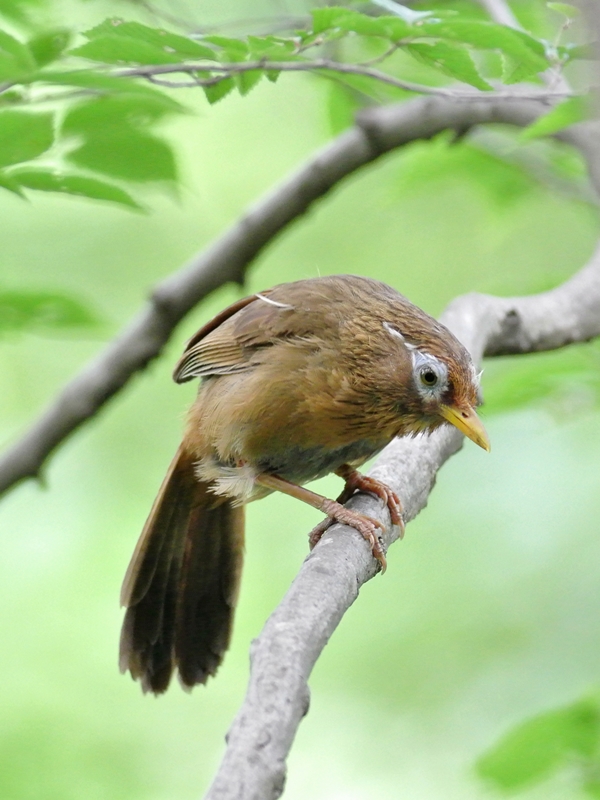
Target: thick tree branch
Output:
[(283, 656), (378, 131)]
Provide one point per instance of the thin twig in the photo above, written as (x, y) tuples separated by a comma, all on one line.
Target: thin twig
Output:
[(324, 64)]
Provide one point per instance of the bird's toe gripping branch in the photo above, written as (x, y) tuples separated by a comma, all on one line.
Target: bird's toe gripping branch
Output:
[(366, 526), (357, 482)]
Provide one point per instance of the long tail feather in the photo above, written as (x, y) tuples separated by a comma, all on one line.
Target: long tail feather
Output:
[(182, 583)]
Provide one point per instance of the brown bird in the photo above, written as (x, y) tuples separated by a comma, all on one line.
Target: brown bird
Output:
[(301, 380)]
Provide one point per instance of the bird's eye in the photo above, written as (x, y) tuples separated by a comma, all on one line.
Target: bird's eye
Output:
[(429, 377)]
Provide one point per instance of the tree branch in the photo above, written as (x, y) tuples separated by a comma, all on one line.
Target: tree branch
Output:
[(224, 71), (284, 654), (378, 131), (501, 13)]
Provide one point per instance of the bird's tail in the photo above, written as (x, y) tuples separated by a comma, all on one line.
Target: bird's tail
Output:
[(182, 583)]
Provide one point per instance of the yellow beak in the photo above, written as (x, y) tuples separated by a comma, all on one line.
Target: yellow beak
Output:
[(467, 421)]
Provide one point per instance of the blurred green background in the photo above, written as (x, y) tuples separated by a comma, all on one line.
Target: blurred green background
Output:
[(490, 609)]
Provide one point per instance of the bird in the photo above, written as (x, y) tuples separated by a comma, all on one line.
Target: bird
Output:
[(305, 379)]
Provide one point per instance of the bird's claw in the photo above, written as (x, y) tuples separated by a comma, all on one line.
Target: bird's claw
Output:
[(366, 526), (317, 532), (358, 482)]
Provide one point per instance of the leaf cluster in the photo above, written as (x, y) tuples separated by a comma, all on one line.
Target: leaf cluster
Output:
[(537, 749), (81, 118)]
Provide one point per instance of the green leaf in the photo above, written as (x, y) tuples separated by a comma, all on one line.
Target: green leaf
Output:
[(246, 81), (543, 377), (46, 180), (398, 29), (9, 183), (367, 26), (95, 117), (533, 750), (16, 60), (514, 71), (20, 10), (568, 11), (326, 18), (24, 135), (48, 46), (571, 111), (219, 90), (342, 105), (123, 50), (271, 48), (525, 50), (126, 153), (181, 47), (453, 60), (537, 46), (389, 27), (232, 49), (114, 139), (23, 310)]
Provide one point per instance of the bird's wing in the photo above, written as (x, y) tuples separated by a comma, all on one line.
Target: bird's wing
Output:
[(225, 345)]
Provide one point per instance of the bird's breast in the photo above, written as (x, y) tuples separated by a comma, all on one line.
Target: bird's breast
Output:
[(300, 464)]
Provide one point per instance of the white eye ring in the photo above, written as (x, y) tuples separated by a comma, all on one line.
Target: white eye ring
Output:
[(430, 374)]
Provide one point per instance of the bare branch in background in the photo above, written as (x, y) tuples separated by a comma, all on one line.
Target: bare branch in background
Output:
[(591, 16), (284, 654), (501, 13)]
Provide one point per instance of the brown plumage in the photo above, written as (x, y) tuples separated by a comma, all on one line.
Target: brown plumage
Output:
[(298, 381)]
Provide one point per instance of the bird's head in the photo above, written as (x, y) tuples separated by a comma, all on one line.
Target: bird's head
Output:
[(444, 384)]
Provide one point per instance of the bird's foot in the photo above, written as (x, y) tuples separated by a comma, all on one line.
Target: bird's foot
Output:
[(317, 532), (366, 526), (357, 482)]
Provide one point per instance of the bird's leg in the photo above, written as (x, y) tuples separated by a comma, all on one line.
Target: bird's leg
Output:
[(366, 526), (357, 482), (317, 532)]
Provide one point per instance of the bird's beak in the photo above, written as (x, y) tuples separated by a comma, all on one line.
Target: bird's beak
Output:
[(467, 421)]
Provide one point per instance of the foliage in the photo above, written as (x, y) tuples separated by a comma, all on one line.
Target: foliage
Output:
[(91, 113), (43, 311), (545, 744)]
